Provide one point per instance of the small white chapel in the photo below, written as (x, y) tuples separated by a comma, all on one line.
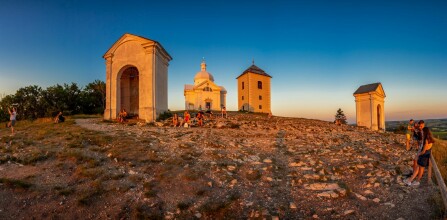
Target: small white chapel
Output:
[(204, 94)]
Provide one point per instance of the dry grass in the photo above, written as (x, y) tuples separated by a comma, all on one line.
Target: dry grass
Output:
[(90, 195), (440, 155), (436, 202), (13, 183)]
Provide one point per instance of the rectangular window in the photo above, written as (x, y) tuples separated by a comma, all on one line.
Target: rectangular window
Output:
[(242, 97), (260, 106), (259, 85), (242, 85), (260, 97)]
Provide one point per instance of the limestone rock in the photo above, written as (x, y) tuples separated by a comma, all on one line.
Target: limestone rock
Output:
[(267, 160), (231, 168), (360, 197), (348, 212), (328, 194), (322, 186), (299, 164), (292, 205)]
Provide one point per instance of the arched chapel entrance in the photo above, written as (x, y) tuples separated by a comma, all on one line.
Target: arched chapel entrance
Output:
[(208, 103), (136, 78), (129, 88)]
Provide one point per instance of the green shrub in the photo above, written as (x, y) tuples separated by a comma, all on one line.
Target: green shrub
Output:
[(165, 115)]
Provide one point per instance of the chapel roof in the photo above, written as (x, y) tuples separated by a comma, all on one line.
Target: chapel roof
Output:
[(203, 74), (189, 87), (367, 88), (254, 69)]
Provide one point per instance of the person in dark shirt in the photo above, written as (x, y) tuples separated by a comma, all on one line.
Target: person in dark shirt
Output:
[(59, 118)]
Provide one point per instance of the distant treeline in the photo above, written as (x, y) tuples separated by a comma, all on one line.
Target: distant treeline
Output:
[(33, 102), (437, 126)]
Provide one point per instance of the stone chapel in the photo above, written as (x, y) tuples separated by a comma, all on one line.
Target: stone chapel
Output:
[(205, 93), (136, 78), (370, 106)]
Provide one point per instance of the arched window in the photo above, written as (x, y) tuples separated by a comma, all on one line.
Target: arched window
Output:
[(207, 89), (259, 85)]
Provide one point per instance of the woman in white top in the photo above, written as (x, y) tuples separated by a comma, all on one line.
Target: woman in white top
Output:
[(12, 119)]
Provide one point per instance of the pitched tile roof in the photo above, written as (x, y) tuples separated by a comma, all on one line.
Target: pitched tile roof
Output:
[(254, 69), (367, 88)]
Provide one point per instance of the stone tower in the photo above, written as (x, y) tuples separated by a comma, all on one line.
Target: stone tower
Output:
[(136, 78), (370, 107), (254, 93)]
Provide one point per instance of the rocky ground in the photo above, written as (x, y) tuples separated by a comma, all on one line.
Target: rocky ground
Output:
[(247, 166)]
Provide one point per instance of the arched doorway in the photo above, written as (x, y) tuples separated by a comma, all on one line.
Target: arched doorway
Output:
[(129, 88), (208, 103), (379, 119)]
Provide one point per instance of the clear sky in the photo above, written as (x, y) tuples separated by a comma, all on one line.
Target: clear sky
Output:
[(318, 52)]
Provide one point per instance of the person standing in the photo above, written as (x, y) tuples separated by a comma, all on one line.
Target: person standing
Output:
[(224, 112), (416, 136), (423, 158), (410, 130), (420, 144), (12, 119)]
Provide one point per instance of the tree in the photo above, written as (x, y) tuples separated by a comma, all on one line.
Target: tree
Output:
[(28, 100), (340, 116), (54, 100), (5, 103), (93, 97), (34, 102)]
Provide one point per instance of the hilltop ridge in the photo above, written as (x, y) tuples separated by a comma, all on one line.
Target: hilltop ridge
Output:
[(247, 166)]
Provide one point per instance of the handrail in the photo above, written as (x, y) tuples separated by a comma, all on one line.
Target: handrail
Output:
[(440, 180)]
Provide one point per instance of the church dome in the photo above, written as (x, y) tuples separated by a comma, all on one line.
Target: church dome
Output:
[(203, 74)]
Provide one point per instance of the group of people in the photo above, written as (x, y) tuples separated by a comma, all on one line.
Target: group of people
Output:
[(422, 138), (187, 120), (180, 122)]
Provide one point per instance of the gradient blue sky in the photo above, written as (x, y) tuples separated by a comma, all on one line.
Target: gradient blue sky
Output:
[(318, 52)]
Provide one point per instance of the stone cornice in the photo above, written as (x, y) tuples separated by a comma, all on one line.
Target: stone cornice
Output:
[(374, 94), (146, 43)]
